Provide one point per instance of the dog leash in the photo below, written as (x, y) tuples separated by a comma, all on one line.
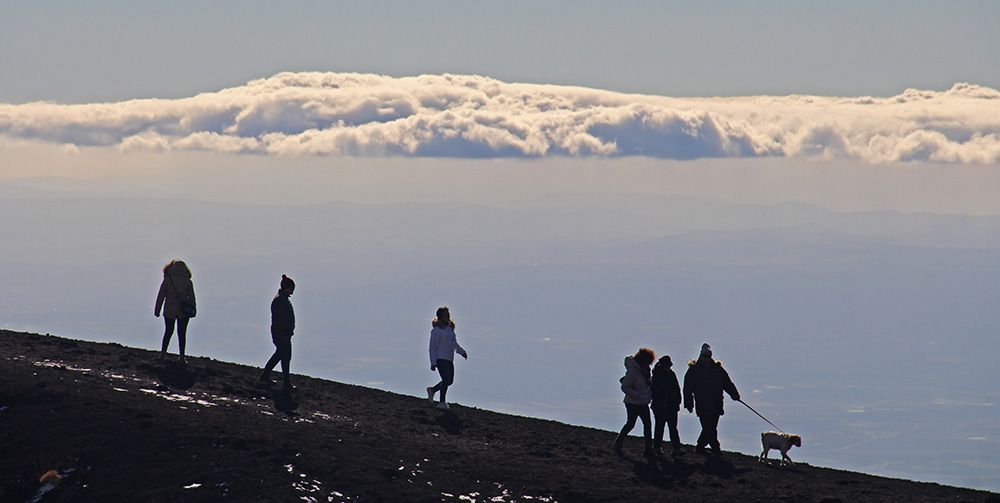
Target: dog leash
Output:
[(762, 417)]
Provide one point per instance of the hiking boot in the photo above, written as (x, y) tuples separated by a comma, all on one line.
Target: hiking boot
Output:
[(288, 386), (430, 394), (182, 360), (443, 405), (701, 450), (658, 452), (265, 381)]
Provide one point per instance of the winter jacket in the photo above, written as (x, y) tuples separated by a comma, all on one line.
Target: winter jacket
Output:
[(444, 345), (176, 285), (704, 383), (635, 384), (666, 390), (282, 316)]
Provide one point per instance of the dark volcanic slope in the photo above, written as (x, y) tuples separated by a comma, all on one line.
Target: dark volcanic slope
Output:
[(122, 427)]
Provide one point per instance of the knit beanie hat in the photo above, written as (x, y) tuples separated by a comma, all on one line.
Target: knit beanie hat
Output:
[(286, 282), (706, 350)]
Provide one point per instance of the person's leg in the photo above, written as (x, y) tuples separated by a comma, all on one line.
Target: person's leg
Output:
[(271, 362), (285, 350), (182, 328), (447, 370), (660, 417), (168, 331), (440, 383), (675, 437), (631, 414), (703, 436), (713, 433), (647, 436)]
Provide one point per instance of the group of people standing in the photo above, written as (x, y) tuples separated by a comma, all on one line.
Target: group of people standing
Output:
[(656, 387)]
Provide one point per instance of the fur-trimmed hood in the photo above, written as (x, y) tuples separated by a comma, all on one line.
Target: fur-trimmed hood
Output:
[(692, 363), (176, 285)]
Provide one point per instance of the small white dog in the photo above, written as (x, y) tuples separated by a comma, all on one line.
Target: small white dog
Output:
[(780, 441)]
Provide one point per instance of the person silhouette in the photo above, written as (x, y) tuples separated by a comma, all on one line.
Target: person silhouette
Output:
[(177, 301), (635, 385), (442, 348), (704, 382), (282, 329), (666, 404)]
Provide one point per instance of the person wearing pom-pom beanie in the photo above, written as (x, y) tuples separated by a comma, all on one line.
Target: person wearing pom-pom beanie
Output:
[(282, 329), (704, 382)]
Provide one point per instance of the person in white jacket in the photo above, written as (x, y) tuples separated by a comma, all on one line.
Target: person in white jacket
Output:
[(442, 349), (638, 394)]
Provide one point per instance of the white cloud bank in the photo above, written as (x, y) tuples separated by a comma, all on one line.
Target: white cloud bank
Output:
[(473, 116)]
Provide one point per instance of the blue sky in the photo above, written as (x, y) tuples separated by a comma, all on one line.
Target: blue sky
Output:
[(108, 51)]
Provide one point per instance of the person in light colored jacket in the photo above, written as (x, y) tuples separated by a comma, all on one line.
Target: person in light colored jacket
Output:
[(638, 394), (442, 349), (175, 287)]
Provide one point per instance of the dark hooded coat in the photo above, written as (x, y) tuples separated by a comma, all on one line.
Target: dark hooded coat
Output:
[(666, 390), (176, 286), (704, 382)]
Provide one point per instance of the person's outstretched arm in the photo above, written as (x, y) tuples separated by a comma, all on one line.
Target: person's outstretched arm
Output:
[(729, 386), (460, 350)]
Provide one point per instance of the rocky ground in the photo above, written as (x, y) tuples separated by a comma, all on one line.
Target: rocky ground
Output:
[(82, 421)]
